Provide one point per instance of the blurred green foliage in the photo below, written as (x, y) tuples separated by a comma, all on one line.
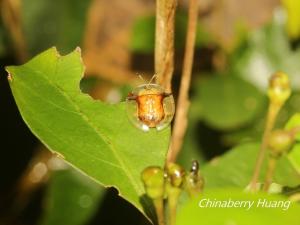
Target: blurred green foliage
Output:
[(292, 8), (229, 104), (71, 197), (57, 23), (294, 154), (294, 122), (235, 168), (265, 51), (143, 34), (192, 214)]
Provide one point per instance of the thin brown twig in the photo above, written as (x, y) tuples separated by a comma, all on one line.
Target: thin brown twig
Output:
[(181, 121), (164, 42), (11, 15)]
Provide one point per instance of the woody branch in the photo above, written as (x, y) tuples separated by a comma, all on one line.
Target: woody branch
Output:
[(181, 121)]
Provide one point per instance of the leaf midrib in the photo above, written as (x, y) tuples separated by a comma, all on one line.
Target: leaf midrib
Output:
[(62, 140), (135, 185)]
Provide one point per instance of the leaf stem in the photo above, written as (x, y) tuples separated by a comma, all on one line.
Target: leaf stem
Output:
[(159, 207), (164, 42), (180, 122), (270, 172), (271, 118), (172, 203)]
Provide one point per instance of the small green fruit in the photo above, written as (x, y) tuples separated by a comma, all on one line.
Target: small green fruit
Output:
[(280, 141), (175, 175), (153, 179), (279, 88)]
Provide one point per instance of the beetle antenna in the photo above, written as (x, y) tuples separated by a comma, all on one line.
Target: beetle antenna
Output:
[(152, 78), (141, 77)]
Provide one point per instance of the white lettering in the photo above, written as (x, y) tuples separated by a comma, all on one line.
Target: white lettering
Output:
[(246, 204), (202, 203)]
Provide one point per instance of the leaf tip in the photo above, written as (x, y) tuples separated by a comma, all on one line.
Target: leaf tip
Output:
[(54, 49), (9, 75), (78, 49)]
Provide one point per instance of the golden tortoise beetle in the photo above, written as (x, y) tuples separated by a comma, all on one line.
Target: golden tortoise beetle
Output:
[(149, 106)]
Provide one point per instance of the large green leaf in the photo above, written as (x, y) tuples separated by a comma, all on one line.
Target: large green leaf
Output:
[(91, 135), (143, 33), (255, 130), (70, 193), (285, 212), (235, 168), (191, 150), (294, 157), (265, 51), (229, 102), (59, 23), (294, 154), (293, 122)]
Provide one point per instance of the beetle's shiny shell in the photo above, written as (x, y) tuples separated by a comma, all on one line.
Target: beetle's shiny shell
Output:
[(148, 106), (150, 109)]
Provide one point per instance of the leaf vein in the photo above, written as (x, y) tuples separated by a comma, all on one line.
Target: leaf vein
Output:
[(135, 185)]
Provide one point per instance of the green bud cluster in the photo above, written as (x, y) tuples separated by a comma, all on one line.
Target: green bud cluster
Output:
[(194, 180), (153, 179), (169, 183), (172, 180), (175, 175), (279, 88)]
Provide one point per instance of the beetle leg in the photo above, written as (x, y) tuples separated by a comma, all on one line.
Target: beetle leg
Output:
[(131, 96), (167, 94)]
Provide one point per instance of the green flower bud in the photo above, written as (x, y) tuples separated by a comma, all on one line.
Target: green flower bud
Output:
[(175, 175), (153, 179), (194, 180), (279, 88), (280, 141)]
